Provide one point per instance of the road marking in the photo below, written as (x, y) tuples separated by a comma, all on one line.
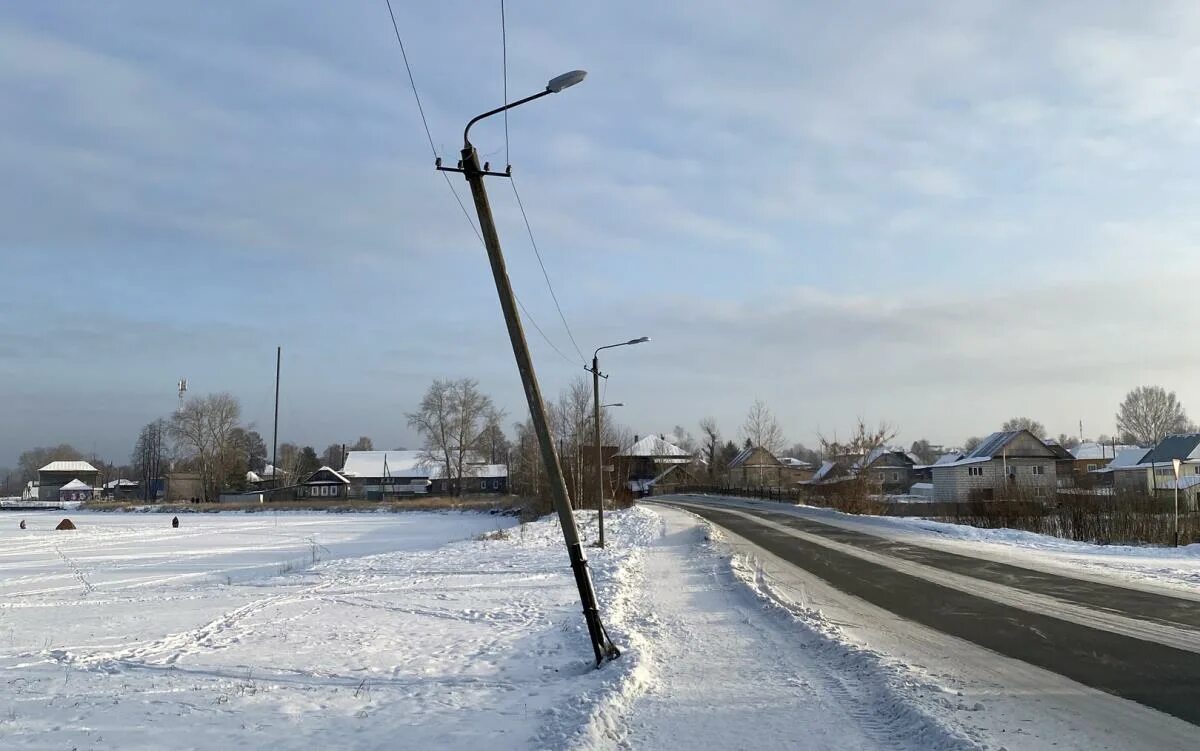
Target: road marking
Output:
[(1170, 636)]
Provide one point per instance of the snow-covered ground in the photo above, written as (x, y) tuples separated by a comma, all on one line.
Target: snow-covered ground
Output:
[(1155, 567), (298, 631), (454, 631)]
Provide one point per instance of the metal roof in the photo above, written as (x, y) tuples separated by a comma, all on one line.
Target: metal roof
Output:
[(655, 447), (76, 484), (61, 466), (1172, 447)]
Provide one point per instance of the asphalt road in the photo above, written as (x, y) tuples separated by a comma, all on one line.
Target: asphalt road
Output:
[(1034, 627)]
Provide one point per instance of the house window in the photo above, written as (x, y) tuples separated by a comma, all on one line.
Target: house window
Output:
[(1091, 468), (1164, 471), (895, 477), (1039, 470), (1039, 491), (975, 471)]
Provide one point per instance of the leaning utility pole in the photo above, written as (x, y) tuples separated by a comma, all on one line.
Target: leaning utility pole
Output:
[(602, 646)]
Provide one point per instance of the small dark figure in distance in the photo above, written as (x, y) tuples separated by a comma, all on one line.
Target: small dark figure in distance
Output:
[(22, 524), (66, 524), (175, 522)]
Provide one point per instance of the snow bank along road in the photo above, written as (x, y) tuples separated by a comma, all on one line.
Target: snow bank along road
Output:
[(1137, 644)]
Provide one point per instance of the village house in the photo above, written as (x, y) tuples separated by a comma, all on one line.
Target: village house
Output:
[(55, 475), (755, 467), (1064, 464), (1159, 462), (647, 459), (890, 469), (377, 475), (1089, 458), (75, 491), (326, 482), (1006, 465), (801, 471), (1126, 473)]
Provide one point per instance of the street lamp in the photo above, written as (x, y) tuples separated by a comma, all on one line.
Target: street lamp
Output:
[(469, 167), (595, 370)]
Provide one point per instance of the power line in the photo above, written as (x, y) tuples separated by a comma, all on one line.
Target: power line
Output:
[(457, 198), (517, 194), (545, 275), (504, 68), (411, 81)]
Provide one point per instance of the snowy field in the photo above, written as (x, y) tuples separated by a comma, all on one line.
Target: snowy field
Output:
[(292, 631), (463, 631)]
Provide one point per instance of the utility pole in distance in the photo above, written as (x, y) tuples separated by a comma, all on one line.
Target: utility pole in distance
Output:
[(275, 431), (469, 166), (596, 376)]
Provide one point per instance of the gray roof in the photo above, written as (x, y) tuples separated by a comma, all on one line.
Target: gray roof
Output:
[(988, 447), (1173, 447)]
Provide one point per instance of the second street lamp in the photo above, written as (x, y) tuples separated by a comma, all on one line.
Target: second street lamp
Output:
[(469, 167), (595, 370)]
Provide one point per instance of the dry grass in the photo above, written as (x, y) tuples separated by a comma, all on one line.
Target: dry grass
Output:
[(496, 504)]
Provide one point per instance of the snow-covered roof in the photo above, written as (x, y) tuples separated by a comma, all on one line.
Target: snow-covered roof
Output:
[(61, 466), (823, 471), (76, 484), (122, 483), (950, 458), (385, 464), (269, 471), (795, 463), (252, 476), (655, 447), (337, 475), (1099, 451), (963, 462)]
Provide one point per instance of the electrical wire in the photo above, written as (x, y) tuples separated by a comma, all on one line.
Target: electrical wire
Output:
[(457, 198), (504, 69), (517, 194)]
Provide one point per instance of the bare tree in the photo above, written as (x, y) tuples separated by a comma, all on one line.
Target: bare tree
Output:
[(1149, 414), (150, 456), (862, 443), (762, 429), (1025, 423), (493, 443), (332, 456), (971, 444), (203, 429), (682, 438), (452, 417), (35, 458), (363, 444), (711, 435)]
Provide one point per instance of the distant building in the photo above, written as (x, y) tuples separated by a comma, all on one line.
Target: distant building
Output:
[(53, 476), (1159, 463), (76, 490), (1091, 457), (647, 459), (757, 467), (890, 469), (120, 489), (326, 482), (1126, 473), (801, 471), (1005, 465), (376, 475)]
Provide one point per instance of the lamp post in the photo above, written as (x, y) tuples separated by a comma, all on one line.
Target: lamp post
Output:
[(469, 166), (595, 370)]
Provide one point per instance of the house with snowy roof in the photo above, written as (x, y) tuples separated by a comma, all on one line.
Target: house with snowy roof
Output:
[(646, 459), (382, 474), (1012, 464), (76, 490), (55, 475), (1089, 457), (326, 482)]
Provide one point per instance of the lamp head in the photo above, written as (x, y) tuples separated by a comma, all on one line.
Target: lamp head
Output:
[(565, 81)]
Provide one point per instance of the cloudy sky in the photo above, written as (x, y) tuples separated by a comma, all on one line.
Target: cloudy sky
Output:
[(940, 215)]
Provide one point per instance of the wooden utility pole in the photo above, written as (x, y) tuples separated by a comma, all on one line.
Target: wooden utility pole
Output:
[(601, 644)]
